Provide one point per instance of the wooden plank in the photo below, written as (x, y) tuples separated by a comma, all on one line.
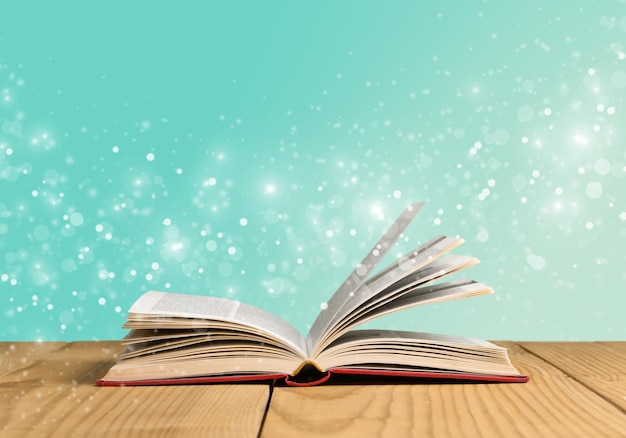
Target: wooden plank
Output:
[(601, 366), (14, 355), (70, 363), (82, 410), (54, 395), (551, 404)]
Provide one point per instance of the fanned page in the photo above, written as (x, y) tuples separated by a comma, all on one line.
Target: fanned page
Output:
[(420, 266), (194, 309), (363, 270), (410, 297)]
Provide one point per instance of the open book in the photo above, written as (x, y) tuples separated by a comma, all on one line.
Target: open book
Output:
[(179, 339)]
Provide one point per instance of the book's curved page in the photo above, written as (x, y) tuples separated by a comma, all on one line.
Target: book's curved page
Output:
[(186, 341), (413, 351), (430, 294), (201, 362), (362, 271), (415, 296), (171, 305), (392, 298), (421, 265)]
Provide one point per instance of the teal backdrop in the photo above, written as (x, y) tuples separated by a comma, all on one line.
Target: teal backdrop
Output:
[(256, 150)]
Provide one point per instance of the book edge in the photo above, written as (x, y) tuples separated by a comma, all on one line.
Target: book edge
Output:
[(287, 380)]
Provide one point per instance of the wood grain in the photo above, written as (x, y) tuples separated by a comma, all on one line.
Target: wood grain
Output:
[(47, 389), (598, 365), (219, 410), (52, 393), (14, 355), (551, 404), (72, 363)]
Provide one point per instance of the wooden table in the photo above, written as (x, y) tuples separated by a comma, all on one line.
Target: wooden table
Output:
[(576, 389)]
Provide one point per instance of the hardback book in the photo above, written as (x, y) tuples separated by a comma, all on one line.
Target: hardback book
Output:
[(189, 339)]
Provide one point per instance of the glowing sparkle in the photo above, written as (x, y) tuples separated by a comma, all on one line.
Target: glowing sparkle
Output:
[(580, 139), (176, 246)]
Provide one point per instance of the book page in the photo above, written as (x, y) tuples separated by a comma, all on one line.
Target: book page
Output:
[(403, 268), (390, 337), (363, 270), (219, 309), (435, 271), (412, 351), (419, 265), (448, 291)]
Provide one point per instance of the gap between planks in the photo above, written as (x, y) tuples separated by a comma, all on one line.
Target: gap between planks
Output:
[(605, 357)]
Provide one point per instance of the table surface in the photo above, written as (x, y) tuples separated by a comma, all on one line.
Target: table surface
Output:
[(576, 389)]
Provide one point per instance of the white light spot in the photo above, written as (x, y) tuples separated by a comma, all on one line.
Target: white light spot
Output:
[(594, 190), (536, 262), (76, 219), (482, 236), (150, 156), (361, 270), (177, 246), (602, 166)]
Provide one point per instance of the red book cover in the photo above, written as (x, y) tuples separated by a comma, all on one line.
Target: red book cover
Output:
[(332, 376)]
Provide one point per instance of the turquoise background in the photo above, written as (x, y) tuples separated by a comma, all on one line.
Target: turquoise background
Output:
[(257, 150)]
